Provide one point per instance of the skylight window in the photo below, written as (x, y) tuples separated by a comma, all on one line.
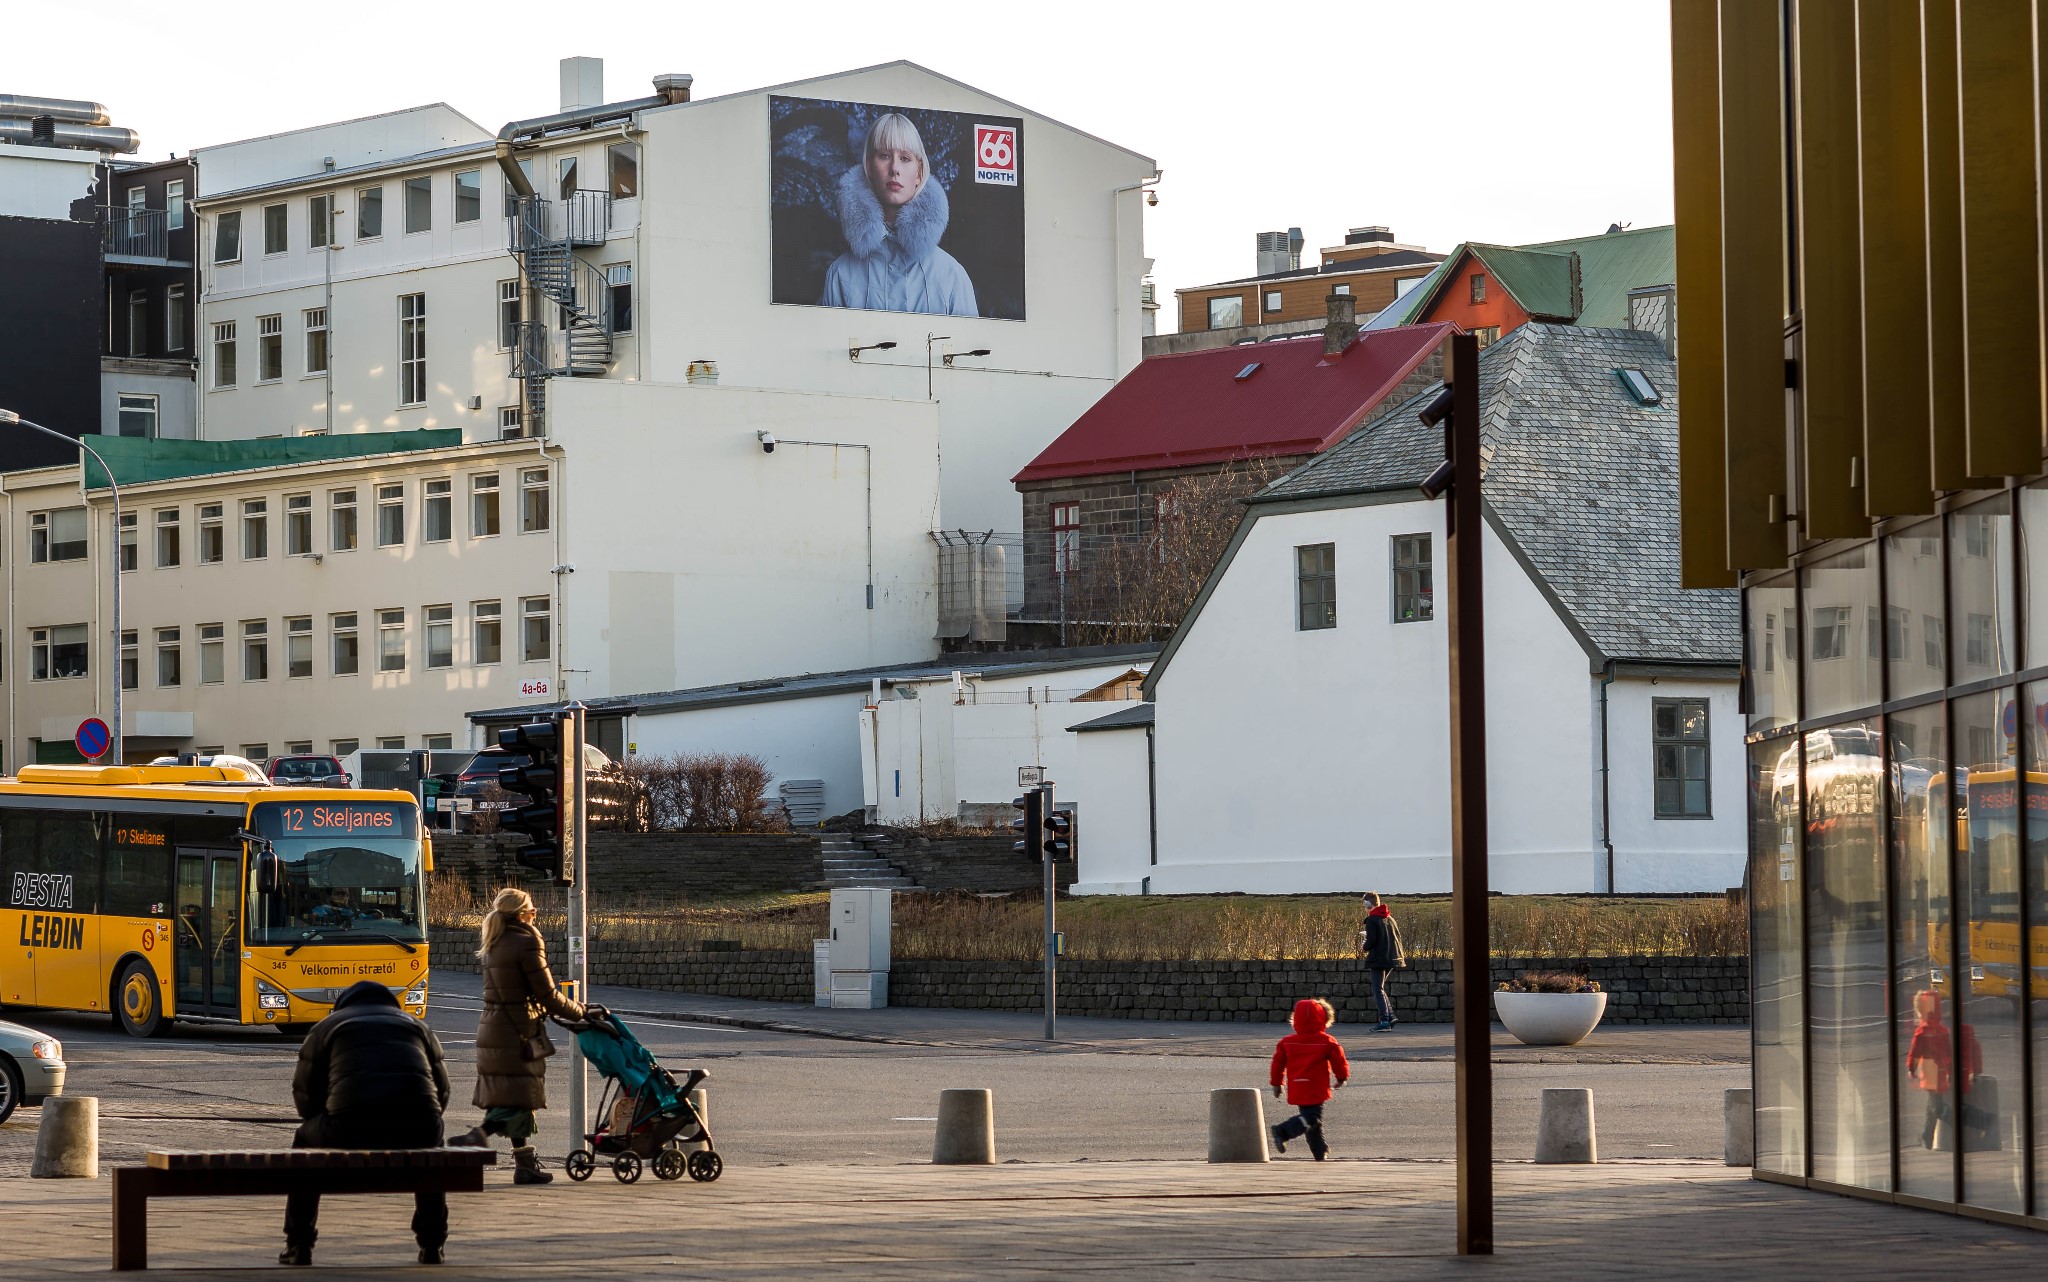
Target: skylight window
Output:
[(1248, 371), (1639, 387)]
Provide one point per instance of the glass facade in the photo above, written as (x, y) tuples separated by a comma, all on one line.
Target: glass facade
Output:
[(1897, 704)]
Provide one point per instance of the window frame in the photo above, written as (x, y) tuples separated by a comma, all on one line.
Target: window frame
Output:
[(1315, 587), (422, 187), (298, 518), (256, 521), (227, 237), (212, 639), (143, 403), (474, 193), (370, 213), (389, 497), (45, 643), (1478, 287), (1066, 536), (390, 624), (412, 350), (276, 219), (536, 514), (320, 220), (255, 634), (170, 644), (532, 608), (127, 537), (623, 180), (130, 659), (270, 348), (1677, 705), (618, 291), (511, 311), (138, 322), (225, 372), (314, 320), (44, 546), (445, 626), (336, 506), (486, 616), (174, 543), (1419, 584), (175, 327), (484, 485), (298, 637), (441, 501), (344, 624), (174, 205), (210, 521), (1234, 299)]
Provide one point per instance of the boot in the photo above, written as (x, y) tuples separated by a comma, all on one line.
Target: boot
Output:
[(474, 1137), (432, 1255), (1279, 1140), (1317, 1149), (295, 1255), (526, 1166)]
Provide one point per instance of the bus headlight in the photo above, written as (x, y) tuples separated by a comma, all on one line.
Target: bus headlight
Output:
[(270, 997), (46, 1048), (417, 994)]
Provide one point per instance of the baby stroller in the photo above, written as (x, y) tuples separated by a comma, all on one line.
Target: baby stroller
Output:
[(643, 1114)]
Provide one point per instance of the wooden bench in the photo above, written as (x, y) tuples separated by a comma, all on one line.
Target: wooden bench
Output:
[(278, 1172)]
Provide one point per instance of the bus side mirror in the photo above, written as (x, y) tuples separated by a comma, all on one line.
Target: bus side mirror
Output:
[(267, 878)]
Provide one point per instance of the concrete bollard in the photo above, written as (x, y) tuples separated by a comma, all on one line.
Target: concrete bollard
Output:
[(702, 1103), (1564, 1126), (967, 1129), (1237, 1125), (68, 1141), (1738, 1126)]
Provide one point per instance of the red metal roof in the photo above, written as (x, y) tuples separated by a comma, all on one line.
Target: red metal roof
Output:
[(1190, 408)]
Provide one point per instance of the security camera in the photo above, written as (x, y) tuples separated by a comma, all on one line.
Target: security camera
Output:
[(1152, 198), (1438, 409), (767, 440)]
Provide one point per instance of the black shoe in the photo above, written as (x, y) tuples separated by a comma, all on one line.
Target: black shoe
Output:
[(432, 1255), (474, 1137), (1319, 1153), (1279, 1144), (295, 1255)]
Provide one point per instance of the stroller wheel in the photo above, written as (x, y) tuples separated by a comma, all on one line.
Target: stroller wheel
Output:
[(705, 1166), (626, 1167), (668, 1164), (579, 1165)]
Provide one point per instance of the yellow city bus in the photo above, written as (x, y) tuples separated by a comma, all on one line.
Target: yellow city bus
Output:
[(1987, 835), (196, 893)]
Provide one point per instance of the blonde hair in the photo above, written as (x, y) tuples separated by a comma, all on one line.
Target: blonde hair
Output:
[(505, 909), (1329, 1011), (893, 131)]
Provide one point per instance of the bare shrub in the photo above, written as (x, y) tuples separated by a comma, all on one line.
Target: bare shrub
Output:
[(700, 792)]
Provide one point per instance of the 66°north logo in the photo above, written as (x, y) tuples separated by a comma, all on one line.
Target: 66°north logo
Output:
[(995, 154)]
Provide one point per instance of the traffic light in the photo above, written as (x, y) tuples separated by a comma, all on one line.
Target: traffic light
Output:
[(1059, 831), (548, 782), (1030, 826)]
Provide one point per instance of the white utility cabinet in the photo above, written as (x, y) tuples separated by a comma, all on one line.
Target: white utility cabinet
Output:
[(860, 948)]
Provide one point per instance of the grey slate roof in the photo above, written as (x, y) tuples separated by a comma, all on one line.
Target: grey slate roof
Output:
[(1583, 484)]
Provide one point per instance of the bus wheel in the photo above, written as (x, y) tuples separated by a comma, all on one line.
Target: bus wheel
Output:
[(140, 1004)]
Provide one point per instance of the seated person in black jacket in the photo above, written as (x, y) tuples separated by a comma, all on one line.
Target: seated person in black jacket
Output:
[(370, 1077)]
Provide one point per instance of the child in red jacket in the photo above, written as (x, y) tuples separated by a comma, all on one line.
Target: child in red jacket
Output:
[(1308, 1061)]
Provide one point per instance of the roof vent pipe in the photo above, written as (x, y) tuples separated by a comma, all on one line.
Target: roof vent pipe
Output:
[(674, 86), (45, 132), (42, 131), (74, 111)]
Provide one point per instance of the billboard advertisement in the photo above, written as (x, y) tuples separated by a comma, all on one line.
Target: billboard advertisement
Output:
[(896, 209)]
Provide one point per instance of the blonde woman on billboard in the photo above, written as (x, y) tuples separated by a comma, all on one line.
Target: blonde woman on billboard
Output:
[(893, 215)]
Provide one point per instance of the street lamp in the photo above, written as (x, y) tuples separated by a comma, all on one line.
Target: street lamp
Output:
[(8, 417)]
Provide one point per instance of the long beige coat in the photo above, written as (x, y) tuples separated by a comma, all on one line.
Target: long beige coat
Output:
[(518, 994)]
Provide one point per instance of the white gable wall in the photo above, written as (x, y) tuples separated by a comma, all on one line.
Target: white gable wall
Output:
[(1113, 835), (1653, 855)]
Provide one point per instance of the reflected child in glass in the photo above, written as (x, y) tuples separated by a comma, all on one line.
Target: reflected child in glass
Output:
[(1930, 1060)]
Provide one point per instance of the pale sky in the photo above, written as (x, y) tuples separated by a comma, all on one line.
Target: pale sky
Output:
[(1447, 120)]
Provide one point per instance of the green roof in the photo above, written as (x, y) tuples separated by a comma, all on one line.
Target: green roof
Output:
[(1544, 283), (138, 461), (1538, 276)]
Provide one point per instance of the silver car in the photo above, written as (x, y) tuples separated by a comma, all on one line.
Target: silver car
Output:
[(31, 1067)]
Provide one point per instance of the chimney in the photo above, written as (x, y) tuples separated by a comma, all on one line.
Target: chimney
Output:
[(1369, 236), (1341, 329), (582, 83), (674, 86)]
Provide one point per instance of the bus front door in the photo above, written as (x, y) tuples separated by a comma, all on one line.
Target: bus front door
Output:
[(208, 957)]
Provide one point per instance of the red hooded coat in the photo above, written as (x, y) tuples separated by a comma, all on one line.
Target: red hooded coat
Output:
[(1308, 1058)]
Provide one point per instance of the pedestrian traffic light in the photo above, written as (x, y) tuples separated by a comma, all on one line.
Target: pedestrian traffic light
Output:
[(1029, 825), (548, 782), (1059, 830)]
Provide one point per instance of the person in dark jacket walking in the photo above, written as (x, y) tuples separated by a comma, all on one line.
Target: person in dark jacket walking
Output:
[(1379, 943), (1307, 1064), (370, 1076)]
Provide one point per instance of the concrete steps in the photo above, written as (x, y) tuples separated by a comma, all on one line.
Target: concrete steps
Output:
[(850, 864)]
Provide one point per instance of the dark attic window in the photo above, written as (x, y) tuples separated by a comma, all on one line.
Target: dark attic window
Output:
[(1639, 387), (1248, 371)]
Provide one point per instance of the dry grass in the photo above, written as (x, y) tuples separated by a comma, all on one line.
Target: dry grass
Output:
[(1153, 928)]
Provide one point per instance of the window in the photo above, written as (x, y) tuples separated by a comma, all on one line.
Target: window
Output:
[(137, 416), (391, 742), (1830, 635), (390, 640), (1932, 632), (342, 534), (1976, 535), (166, 538), (535, 633), (57, 654), (316, 340), (174, 318), (170, 668), (1272, 300), (419, 205), (440, 636), (320, 221), (344, 747), (1487, 335), (437, 510), (212, 653), (346, 654), (533, 500), (412, 349), (256, 650), (1898, 631), (298, 647), (138, 199), (256, 752), (510, 423), (1066, 537), (227, 237), (269, 348), (369, 213), (488, 628), (1414, 588), (1977, 645), (622, 162), (618, 286), (483, 505), (508, 315), (298, 747), (213, 537), (1479, 287), (274, 240), (298, 525), (390, 515), (129, 557), (138, 323), (437, 742), (224, 354), (469, 196), (1341, 289), (57, 536), (174, 204), (131, 662), (1226, 313), (1315, 576), (567, 169), (1678, 730), (255, 529)]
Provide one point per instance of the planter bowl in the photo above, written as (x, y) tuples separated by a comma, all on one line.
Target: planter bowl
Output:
[(1550, 1019)]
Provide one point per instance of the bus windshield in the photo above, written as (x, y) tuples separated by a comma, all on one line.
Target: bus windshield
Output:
[(345, 869)]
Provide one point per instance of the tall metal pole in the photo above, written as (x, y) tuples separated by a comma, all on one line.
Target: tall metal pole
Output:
[(9, 416), (1472, 976), (1052, 1000), (573, 724)]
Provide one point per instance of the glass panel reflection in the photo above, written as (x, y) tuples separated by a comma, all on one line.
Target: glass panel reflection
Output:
[(2034, 569), (2036, 741), (1772, 653), (1777, 943), (1980, 625), (1923, 829), (1985, 1069), (1850, 1045), (1915, 620), (1844, 632)]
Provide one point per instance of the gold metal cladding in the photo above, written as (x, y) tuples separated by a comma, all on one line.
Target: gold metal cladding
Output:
[(1696, 188), (1941, 134)]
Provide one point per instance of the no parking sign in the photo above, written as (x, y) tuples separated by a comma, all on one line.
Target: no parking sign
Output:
[(93, 738)]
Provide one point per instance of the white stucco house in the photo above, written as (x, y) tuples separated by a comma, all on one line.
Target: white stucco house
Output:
[(1298, 736)]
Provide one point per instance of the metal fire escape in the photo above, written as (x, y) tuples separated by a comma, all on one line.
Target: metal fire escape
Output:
[(545, 235)]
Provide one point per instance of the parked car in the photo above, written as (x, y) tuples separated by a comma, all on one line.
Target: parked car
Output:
[(31, 1067), (303, 771)]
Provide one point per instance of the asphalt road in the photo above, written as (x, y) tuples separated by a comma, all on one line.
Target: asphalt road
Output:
[(789, 1098)]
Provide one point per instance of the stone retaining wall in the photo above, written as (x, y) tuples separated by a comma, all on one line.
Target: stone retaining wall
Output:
[(660, 866), (984, 865)]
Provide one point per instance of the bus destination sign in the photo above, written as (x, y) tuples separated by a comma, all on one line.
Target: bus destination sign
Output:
[(337, 819)]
